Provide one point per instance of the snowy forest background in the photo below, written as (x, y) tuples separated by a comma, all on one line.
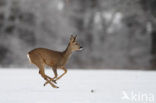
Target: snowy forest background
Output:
[(115, 33)]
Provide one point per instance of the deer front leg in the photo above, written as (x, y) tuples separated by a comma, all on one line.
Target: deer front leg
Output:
[(55, 73), (51, 79), (65, 71), (46, 78)]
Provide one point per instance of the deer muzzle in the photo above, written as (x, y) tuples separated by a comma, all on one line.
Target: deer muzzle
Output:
[(81, 48)]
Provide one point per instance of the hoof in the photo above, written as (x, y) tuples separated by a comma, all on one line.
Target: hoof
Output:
[(56, 87), (55, 81)]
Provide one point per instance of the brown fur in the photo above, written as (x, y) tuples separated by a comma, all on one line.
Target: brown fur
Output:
[(55, 59)]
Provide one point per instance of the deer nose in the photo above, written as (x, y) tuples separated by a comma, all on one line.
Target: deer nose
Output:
[(81, 48)]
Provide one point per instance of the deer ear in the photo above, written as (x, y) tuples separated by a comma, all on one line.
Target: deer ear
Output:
[(75, 37), (71, 38)]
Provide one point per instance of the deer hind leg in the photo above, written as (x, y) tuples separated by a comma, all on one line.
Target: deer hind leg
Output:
[(37, 60), (55, 73)]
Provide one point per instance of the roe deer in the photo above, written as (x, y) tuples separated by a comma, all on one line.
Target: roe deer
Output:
[(55, 59)]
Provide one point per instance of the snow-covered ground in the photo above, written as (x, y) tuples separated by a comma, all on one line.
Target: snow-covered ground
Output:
[(78, 86)]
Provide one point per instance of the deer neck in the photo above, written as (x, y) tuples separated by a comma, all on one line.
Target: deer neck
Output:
[(67, 52)]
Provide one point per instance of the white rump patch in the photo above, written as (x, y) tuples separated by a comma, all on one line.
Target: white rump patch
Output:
[(29, 58)]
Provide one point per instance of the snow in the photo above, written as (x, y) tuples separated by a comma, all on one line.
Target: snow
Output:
[(77, 86)]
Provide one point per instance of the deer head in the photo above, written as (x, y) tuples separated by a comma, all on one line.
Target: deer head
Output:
[(74, 45)]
